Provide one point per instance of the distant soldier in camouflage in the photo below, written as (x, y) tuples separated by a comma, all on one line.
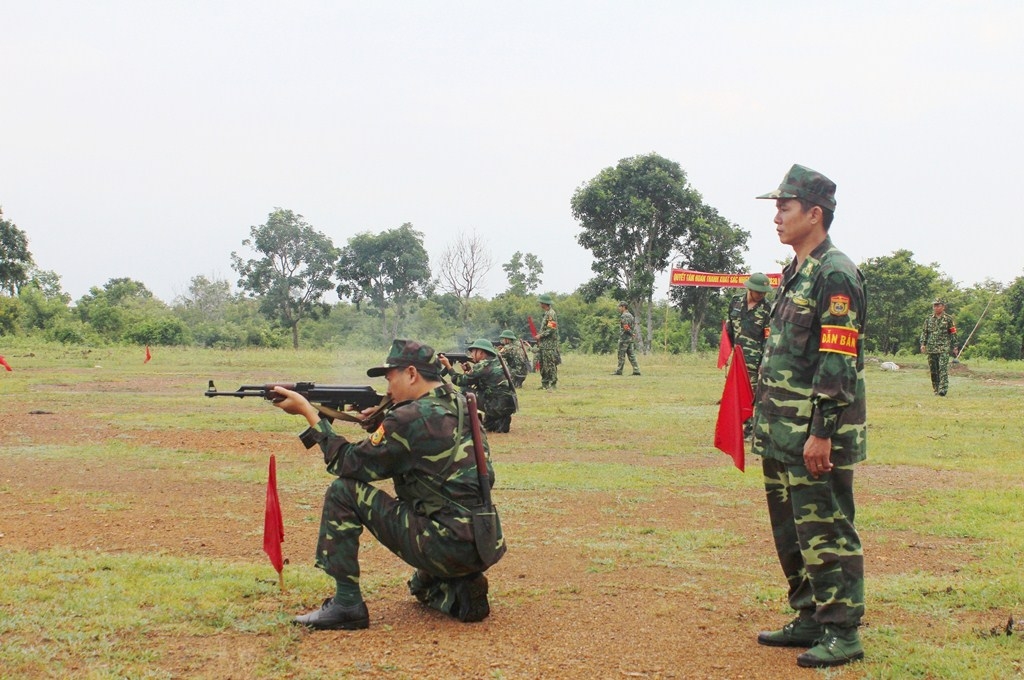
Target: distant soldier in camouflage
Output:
[(489, 378), (425, 445), (938, 341), (547, 345), (748, 322), (809, 426), (512, 351), (627, 340)]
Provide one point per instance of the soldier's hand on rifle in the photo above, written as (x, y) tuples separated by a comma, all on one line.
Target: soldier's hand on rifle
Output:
[(444, 361), (296, 404)]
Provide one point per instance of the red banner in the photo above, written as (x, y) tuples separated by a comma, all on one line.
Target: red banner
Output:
[(687, 277)]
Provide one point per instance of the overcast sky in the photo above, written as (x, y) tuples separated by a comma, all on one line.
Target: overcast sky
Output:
[(142, 139)]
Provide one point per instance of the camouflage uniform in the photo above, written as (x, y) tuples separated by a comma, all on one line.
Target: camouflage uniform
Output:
[(938, 337), (747, 328), (812, 383), (627, 341), (547, 347), (425, 446), (497, 397), (515, 358)]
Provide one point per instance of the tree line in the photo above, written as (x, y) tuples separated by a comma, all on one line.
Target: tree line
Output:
[(636, 218)]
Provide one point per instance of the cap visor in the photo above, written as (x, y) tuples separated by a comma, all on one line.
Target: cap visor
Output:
[(378, 371)]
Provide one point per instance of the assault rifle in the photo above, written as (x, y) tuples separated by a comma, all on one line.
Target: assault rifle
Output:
[(332, 401), (457, 357)]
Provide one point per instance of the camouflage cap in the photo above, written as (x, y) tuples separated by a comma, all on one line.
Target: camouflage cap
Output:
[(939, 301), (810, 185), (545, 299), (485, 345), (758, 282), (622, 303), (508, 335), (408, 353)]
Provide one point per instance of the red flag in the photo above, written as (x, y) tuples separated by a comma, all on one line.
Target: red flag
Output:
[(533, 332), (737, 406), (273, 525), (148, 356), (3, 362), (724, 346)]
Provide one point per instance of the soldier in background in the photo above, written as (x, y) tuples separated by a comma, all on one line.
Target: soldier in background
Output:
[(938, 341), (547, 345), (809, 426), (748, 322), (493, 386), (512, 351), (627, 340)]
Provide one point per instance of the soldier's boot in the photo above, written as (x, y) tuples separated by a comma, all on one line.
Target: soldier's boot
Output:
[(636, 371), (803, 631), (332, 616), (616, 372), (471, 598), (837, 646)]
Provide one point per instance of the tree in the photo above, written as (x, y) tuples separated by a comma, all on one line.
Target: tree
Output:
[(119, 305), (633, 216), (524, 273), (899, 297), (294, 272), (388, 269), (15, 258), (464, 264), (712, 245), (43, 299)]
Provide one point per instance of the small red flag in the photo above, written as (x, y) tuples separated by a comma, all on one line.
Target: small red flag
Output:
[(724, 347), (736, 407), (3, 362), (273, 524), (148, 356), (533, 332)]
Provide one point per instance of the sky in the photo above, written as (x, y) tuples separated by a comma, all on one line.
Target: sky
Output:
[(143, 139)]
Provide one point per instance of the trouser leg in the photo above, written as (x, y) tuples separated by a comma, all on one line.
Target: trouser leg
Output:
[(818, 547), (942, 359), (933, 370)]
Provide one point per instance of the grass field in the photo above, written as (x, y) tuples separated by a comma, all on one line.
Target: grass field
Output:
[(131, 528)]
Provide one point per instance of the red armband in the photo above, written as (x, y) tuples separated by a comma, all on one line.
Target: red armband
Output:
[(839, 339)]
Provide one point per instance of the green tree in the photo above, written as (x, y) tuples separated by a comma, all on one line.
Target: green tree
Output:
[(712, 245), (524, 273), (390, 269), (899, 297), (293, 273), (44, 300), (120, 304), (15, 258), (633, 217)]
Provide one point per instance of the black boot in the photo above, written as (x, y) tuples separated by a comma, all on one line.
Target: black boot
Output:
[(333, 616)]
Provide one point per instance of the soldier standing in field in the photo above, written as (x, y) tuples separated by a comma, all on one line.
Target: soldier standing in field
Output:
[(748, 322), (547, 345), (425, 445), (511, 350), (938, 341), (809, 426), (627, 340)]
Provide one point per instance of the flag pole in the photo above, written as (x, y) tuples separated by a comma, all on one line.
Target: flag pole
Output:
[(971, 334)]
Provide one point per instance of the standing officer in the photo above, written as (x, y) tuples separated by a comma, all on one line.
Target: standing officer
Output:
[(547, 345), (627, 340), (809, 426), (425, 445), (938, 341), (748, 322)]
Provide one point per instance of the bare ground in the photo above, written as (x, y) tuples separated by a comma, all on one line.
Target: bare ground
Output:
[(553, 614)]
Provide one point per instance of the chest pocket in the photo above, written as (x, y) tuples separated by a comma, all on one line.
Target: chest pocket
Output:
[(798, 317)]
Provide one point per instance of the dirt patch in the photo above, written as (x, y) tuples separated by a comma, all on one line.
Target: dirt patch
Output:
[(567, 601)]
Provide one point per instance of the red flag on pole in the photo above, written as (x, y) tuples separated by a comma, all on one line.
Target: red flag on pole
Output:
[(3, 362), (273, 524), (724, 347), (737, 406), (533, 332), (148, 356)]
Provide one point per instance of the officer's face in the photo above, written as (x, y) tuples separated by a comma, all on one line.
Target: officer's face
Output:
[(755, 295), (793, 224), (938, 309)]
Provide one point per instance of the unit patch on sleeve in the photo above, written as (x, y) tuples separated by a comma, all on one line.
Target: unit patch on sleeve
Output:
[(377, 436), (839, 305)]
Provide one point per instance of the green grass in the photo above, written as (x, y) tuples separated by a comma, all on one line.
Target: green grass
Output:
[(942, 482)]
